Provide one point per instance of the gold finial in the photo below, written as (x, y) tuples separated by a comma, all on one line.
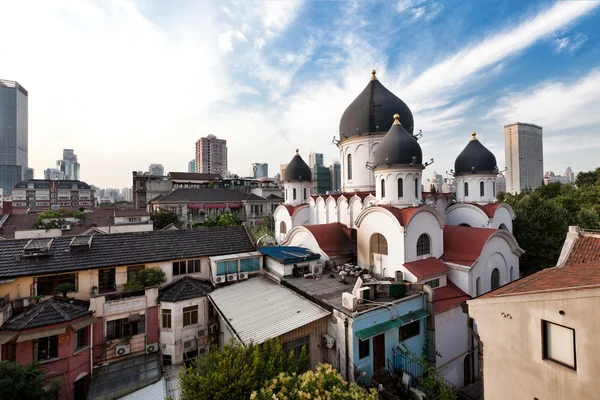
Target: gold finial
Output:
[(297, 151), (396, 119), (474, 136), (373, 77)]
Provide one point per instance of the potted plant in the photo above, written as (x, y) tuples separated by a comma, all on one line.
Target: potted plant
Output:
[(93, 290), (127, 339), (64, 288), (36, 299)]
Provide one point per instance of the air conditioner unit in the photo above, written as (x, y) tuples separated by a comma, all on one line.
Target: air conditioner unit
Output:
[(349, 301), (65, 227), (242, 275), (220, 279), (151, 348), (213, 329), (327, 341), (202, 332), (317, 269), (232, 277), (189, 344), (122, 350), (202, 350)]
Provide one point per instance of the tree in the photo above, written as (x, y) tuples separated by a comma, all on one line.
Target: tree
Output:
[(590, 178), (146, 277), (163, 218), (262, 228), (227, 219), (323, 383), (236, 371), (25, 382)]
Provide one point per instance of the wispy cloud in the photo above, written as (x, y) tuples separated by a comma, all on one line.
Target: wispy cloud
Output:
[(569, 43), (419, 9)]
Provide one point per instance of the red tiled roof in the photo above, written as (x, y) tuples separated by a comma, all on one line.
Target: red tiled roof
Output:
[(427, 267), (333, 238), (447, 297), (572, 277), (362, 195), (463, 244), (293, 209), (435, 195), (489, 209), (403, 215), (585, 249)]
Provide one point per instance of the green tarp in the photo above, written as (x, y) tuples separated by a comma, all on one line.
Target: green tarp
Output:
[(375, 330)]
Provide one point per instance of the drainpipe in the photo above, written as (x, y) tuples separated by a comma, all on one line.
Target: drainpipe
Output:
[(430, 320), (91, 348), (347, 350)]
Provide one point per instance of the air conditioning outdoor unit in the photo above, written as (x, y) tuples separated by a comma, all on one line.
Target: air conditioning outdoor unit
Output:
[(327, 341), (122, 350), (213, 329), (220, 279), (189, 344), (202, 350), (349, 301), (151, 348), (65, 227), (232, 277), (202, 332), (242, 275), (317, 269)]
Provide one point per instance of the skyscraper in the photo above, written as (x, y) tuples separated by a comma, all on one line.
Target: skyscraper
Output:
[(156, 169), (69, 165), (192, 165), (524, 150), (315, 159), (13, 134), (336, 176), (211, 155), (259, 170)]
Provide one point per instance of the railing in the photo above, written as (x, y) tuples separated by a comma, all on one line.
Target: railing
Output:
[(124, 295), (415, 369)]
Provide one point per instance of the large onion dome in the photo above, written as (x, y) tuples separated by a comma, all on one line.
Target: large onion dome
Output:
[(373, 110), (297, 170), (475, 158), (398, 147)]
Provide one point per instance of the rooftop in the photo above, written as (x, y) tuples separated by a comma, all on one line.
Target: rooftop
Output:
[(193, 176), (183, 289), (585, 249), (463, 245), (207, 194), (334, 238), (427, 267), (50, 312), (289, 254), (447, 297)]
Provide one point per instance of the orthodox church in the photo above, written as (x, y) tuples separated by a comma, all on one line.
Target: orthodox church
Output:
[(460, 245)]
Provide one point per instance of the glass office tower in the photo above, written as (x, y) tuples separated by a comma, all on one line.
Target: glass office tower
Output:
[(13, 134)]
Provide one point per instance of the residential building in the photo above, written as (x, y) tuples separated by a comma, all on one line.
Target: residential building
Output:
[(127, 194), (550, 177), (192, 166), (148, 187), (13, 134), (282, 168), (53, 174), (156, 169), (28, 175), (321, 179), (336, 176), (524, 156), (435, 183), (211, 155), (44, 194), (500, 183), (259, 170), (69, 165), (315, 159), (192, 180)]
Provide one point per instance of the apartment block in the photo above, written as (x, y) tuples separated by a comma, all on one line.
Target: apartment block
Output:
[(524, 151), (211, 155)]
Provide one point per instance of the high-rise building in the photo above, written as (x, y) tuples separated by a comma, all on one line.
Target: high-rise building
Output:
[(156, 169), (336, 176), (570, 174), (321, 179), (259, 170), (13, 134), (500, 183), (127, 194), (315, 159), (282, 168), (192, 166), (53, 174), (211, 155), (69, 165), (524, 152)]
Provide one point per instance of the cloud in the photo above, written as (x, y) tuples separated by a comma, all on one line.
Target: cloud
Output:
[(226, 39), (568, 43), (419, 9)]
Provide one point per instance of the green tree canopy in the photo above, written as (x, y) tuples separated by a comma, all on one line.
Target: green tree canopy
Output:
[(25, 382), (235, 371), (265, 227), (146, 277), (322, 384), (227, 219), (163, 218)]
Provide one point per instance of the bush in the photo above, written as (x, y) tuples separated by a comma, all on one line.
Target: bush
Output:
[(146, 277), (64, 288), (25, 382)]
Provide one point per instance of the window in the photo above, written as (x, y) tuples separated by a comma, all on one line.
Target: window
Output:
[(190, 315), (294, 194), (400, 187), (120, 328), (379, 244), (166, 360), (232, 267), (478, 287), (409, 330), (495, 279), (282, 227), (494, 189), (349, 166), (503, 227), (511, 274), (286, 194), (466, 189), (250, 264), (296, 346), (364, 349), (186, 267), (11, 351), (166, 318), (221, 268), (47, 284), (45, 348), (131, 271), (80, 338), (558, 344), (433, 283), (423, 245), (481, 189), (417, 188), (106, 280), (304, 193)]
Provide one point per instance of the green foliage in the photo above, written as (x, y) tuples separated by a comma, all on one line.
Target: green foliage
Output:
[(265, 227), (25, 382), (590, 178), (323, 383), (163, 218), (431, 380), (56, 219), (146, 277), (227, 219), (64, 288), (235, 371)]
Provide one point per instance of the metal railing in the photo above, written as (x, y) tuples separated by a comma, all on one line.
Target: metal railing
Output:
[(407, 365)]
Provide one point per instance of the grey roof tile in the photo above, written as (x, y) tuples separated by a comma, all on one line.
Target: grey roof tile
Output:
[(49, 312), (184, 289), (209, 194)]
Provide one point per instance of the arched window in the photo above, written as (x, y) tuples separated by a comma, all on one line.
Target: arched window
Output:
[(383, 188), (349, 166), (423, 245), (304, 193), (494, 189), (400, 188), (502, 226), (463, 224), (481, 189), (495, 279), (466, 189), (378, 244), (294, 194), (417, 188), (282, 227), (478, 287), (511, 274), (286, 194)]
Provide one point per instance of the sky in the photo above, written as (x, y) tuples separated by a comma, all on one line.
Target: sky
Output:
[(131, 83)]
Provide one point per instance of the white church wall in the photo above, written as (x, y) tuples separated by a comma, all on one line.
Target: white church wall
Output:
[(344, 211), (423, 223), (312, 220), (452, 343), (387, 225), (302, 217), (303, 238), (467, 214), (496, 254), (320, 211), (332, 212), (474, 195), (502, 216), (280, 215), (362, 150), (461, 277), (356, 207)]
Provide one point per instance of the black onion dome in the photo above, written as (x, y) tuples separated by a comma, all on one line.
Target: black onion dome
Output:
[(297, 170), (475, 158), (373, 112), (398, 147)]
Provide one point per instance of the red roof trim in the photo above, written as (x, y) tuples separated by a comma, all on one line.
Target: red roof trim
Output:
[(447, 297), (463, 245), (425, 268)]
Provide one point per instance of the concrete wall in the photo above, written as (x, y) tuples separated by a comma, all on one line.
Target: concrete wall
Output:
[(474, 181), (513, 363), (38, 233), (286, 270), (362, 150), (452, 343), (420, 223), (467, 214), (388, 226)]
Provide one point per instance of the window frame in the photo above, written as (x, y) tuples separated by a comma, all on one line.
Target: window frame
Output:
[(380, 246), (132, 270), (409, 330), (55, 280), (191, 315), (282, 227), (545, 356), (122, 327), (417, 188), (481, 189), (80, 340), (400, 188), (349, 166), (495, 278), (166, 316), (434, 283), (466, 189), (296, 345), (423, 245), (294, 194), (364, 346), (383, 188), (50, 343)]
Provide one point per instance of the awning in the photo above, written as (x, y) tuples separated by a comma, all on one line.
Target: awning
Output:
[(82, 323), (25, 337), (194, 206), (235, 206), (214, 206), (375, 330), (7, 336)]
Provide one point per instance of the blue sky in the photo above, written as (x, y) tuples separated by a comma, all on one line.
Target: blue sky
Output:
[(128, 83)]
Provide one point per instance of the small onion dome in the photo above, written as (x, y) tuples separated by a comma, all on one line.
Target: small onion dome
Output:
[(475, 158), (297, 170), (398, 147), (373, 110)]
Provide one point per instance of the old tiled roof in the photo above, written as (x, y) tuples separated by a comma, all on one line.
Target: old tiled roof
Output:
[(585, 249), (184, 289), (558, 279), (124, 249), (463, 245), (49, 312), (348, 195), (334, 238), (208, 194), (425, 268), (192, 176), (274, 197), (447, 297), (292, 210), (489, 209), (403, 215)]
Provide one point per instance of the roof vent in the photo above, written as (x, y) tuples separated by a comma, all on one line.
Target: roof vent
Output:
[(81, 243), (38, 247)]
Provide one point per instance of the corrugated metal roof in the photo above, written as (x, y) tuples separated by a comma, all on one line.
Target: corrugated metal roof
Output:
[(259, 309), (391, 324), (289, 254), (156, 391)]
